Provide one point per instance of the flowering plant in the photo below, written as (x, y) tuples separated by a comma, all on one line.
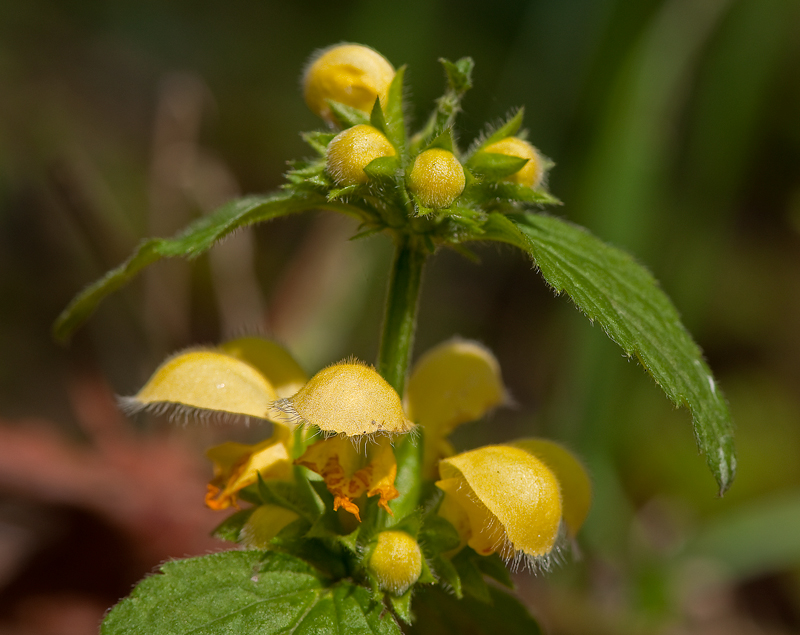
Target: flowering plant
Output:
[(357, 503)]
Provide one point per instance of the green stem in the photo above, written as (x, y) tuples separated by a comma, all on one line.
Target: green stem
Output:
[(400, 317)]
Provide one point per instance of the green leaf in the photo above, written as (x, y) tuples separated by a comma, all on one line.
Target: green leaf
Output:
[(347, 115), (459, 74), (448, 575), (376, 118), (246, 592), (190, 243), (231, 528), (484, 193), (318, 140), (382, 168), (444, 141), (395, 122), (472, 582), (499, 228), (494, 567), (402, 605), (508, 129), (295, 495), (438, 535), (495, 166), (609, 286), (437, 612)]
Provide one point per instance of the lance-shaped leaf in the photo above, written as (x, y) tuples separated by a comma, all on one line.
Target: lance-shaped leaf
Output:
[(393, 113), (190, 243), (610, 287), (247, 592)]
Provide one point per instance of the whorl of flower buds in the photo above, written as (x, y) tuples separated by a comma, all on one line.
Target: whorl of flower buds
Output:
[(351, 74), (437, 178), (352, 150)]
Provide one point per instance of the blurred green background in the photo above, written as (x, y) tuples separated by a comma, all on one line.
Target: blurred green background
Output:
[(675, 126)]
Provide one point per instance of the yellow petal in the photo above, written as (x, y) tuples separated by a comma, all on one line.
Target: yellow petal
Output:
[(475, 524), (380, 474), (264, 524), (348, 398), (271, 360), (237, 466), (207, 380), (576, 488), (455, 382), (396, 561), (519, 491), (454, 511)]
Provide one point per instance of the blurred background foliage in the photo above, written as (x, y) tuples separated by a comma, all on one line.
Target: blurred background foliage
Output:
[(675, 125)]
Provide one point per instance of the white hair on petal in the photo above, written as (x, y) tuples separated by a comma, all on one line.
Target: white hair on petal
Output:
[(183, 413)]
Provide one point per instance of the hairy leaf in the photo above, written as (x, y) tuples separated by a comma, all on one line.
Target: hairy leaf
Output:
[(393, 114), (612, 288), (508, 129), (246, 592), (190, 243)]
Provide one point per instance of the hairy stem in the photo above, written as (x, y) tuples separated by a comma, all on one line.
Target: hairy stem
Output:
[(400, 316)]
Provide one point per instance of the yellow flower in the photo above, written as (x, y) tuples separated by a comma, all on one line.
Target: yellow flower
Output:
[(353, 402), (454, 382), (237, 466), (257, 378), (436, 178), (532, 172), (515, 499), (351, 74), (352, 150), (241, 377), (349, 473)]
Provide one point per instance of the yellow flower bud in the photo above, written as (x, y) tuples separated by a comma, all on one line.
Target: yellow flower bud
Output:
[(351, 74), (352, 150), (531, 173), (348, 398), (396, 561), (264, 524), (437, 178), (511, 498)]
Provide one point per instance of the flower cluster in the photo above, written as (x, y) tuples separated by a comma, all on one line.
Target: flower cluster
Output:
[(341, 426)]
